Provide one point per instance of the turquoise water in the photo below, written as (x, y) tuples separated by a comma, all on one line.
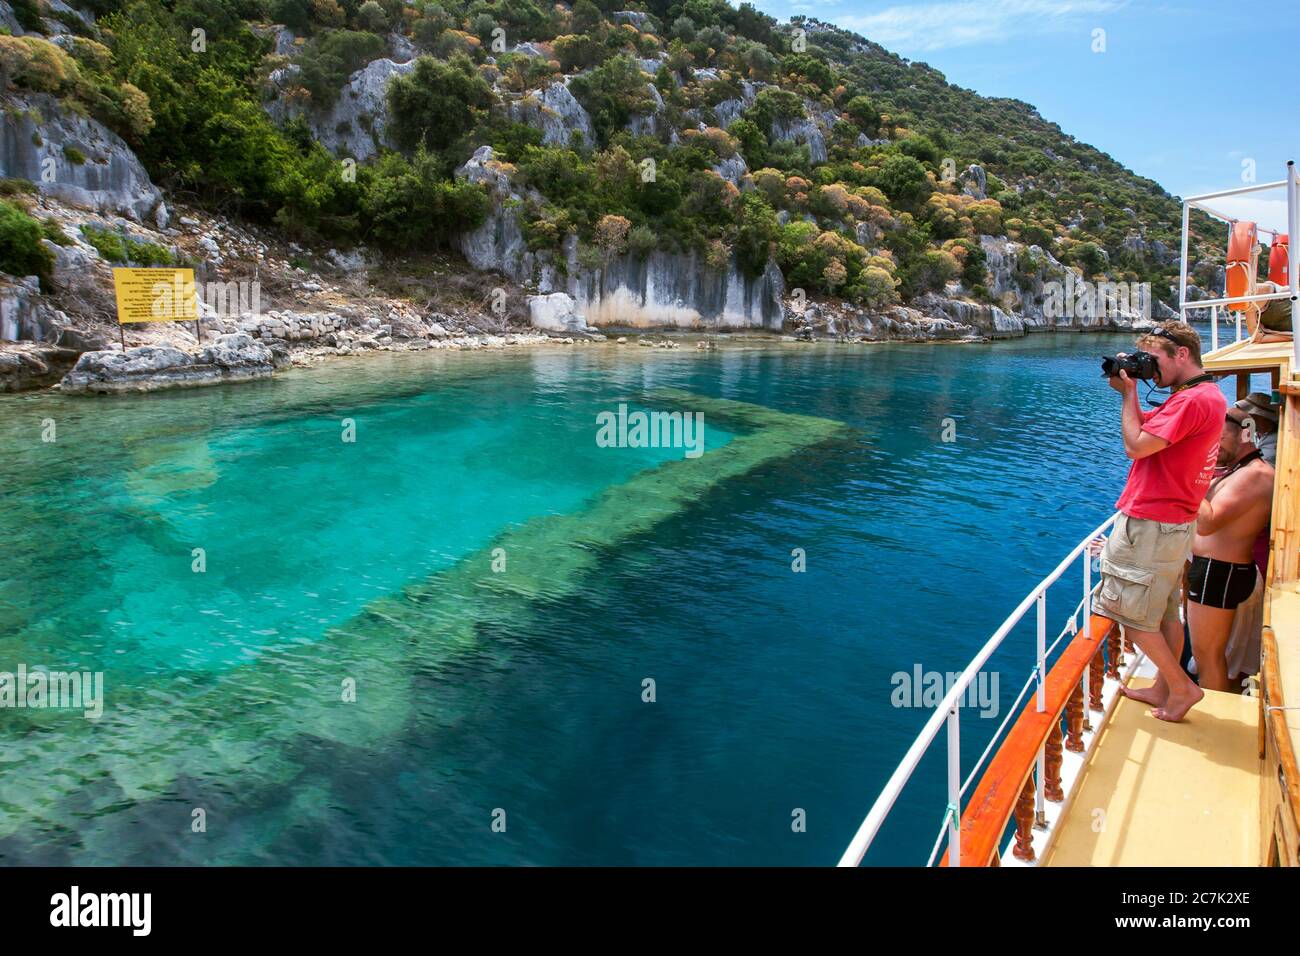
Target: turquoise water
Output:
[(772, 687)]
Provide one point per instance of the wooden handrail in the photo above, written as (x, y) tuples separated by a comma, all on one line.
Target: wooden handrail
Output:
[(1270, 699), (1006, 781)]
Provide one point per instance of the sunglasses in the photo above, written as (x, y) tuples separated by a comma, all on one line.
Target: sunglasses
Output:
[(1239, 422)]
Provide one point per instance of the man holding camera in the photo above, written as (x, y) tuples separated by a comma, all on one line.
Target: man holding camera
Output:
[(1174, 449)]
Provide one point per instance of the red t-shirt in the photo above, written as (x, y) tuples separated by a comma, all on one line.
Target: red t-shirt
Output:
[(1170, 485)]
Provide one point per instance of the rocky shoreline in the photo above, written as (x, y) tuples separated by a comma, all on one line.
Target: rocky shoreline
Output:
[(238, 357)]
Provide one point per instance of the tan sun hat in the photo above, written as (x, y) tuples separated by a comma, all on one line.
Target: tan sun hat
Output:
[(1258, 405)]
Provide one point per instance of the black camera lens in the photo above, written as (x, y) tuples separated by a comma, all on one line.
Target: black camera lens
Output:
[(1140, 365)]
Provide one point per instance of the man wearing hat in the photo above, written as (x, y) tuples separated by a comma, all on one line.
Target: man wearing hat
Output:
[(1262, 417)]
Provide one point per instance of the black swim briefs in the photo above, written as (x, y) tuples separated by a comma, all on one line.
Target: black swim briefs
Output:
[(1221, 584)]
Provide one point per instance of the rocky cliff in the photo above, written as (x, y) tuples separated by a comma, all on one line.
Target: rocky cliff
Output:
[(667, 290), (76, 159), (659, 290)]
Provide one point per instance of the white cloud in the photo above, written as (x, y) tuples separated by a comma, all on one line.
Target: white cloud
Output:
[(926, 27)]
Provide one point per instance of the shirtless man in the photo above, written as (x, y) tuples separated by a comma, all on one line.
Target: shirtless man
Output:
[(1222, 574)]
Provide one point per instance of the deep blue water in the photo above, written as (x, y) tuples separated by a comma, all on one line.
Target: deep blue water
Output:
[(773, 688)]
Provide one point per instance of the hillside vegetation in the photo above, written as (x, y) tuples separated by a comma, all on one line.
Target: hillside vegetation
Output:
[(706, 134)]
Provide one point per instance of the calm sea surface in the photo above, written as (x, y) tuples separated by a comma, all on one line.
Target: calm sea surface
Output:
[(236, 568)]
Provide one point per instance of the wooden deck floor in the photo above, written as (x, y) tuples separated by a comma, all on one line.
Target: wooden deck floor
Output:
[(1248, 355), (1183, 794)]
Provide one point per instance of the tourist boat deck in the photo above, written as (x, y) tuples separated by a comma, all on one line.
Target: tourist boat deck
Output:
[(1084, 776), (1160, 794)]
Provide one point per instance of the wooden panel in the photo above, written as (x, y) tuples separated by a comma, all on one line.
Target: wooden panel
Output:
[(1281, 799), (1285, 565)]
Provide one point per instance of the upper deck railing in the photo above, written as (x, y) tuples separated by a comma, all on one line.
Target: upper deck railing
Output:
[(1291, 186)]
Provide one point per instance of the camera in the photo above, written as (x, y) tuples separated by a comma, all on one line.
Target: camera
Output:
[(1137, 364)]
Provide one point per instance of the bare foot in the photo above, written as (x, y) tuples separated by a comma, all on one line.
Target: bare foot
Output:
[(1176, 708), (1147, 695)]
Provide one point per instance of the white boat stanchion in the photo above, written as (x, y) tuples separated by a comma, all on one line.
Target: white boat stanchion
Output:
[(1040, 800), (1042, 651), (1087, 625), (954, 786), (1293, 252)]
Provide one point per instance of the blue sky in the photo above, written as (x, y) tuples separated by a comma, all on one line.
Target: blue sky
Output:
[(1184, 91)]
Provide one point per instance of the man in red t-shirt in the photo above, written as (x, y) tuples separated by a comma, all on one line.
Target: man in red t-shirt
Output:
[(1174, 449)]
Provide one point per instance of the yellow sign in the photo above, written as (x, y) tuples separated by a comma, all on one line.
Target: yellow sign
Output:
[(155, 295)]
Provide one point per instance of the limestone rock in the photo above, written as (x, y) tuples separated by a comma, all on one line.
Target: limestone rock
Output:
[(555, 313), (110, 180), (30, 367), (677, 290), (556, 113), (24, 315), (234, 357), (974, 181), (356, 124)]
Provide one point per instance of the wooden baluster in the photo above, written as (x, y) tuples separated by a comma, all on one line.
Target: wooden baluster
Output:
[(1114, 654), (1128, 642), (1024, 848), (1074, 720), (1096, 675), (1052, 764)]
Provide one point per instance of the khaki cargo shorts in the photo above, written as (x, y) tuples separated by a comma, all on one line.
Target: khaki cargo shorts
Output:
[(1142, 572)]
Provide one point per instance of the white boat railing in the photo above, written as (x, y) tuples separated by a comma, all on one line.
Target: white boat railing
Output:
[(948, 713)]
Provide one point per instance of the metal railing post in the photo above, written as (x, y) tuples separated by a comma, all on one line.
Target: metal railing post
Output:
[(954, 786), (1040, 781), (1042, 651), (1293, 249), (1087, 587), (1040, 807), (1182, 268), (1087, 627), (1214, 328)]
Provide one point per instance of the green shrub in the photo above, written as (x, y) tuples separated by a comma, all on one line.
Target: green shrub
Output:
[(28, 15), (295, 14), (411, 204), (21, 252), (328, 60), (119, 248), (437, 104), (612, 93), (16, 187), (53, 232), (75, 156)]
